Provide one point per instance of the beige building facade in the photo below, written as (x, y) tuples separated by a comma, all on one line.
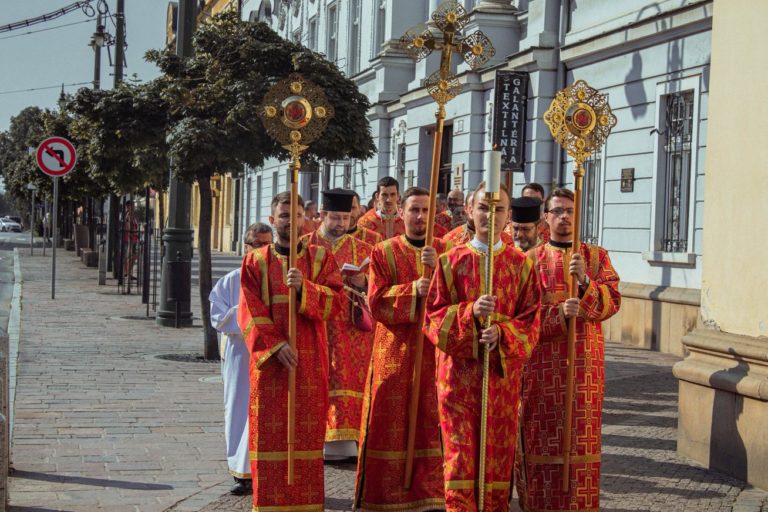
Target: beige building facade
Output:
[(724, 378)]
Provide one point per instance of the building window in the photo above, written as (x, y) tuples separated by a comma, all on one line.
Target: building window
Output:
[(400, 163), (312, 33), (333, 32), (326, 176), (347, 179), (590, 198), (380, 27), (675, 175), (354, 37)]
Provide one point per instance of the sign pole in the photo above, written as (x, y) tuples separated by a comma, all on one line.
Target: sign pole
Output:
[(45, 224), (55, 227), (32, 225)]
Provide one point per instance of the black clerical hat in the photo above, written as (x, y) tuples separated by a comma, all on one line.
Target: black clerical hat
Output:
[(337, 200), (526, 209)]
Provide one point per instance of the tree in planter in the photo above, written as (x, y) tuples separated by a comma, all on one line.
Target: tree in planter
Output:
[(214, 100)]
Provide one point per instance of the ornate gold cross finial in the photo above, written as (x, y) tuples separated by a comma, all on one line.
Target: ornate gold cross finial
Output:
[(476, 49), (580, 120), (295, 113)]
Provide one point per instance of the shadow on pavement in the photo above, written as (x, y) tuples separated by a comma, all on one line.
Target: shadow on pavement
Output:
[(98, 482)]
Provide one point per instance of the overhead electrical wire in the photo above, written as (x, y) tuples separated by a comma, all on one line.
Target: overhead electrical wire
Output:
[(57, 86)]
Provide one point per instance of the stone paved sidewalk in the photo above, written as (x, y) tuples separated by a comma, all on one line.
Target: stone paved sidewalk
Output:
[(102, 424)]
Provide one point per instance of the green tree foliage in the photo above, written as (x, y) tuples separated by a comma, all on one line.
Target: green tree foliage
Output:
[(214, 100)]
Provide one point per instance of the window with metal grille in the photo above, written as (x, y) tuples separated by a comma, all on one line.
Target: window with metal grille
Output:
[(327, 176), (347, 183), (353, 65), (675, 177), (590, 198), (401, 162)]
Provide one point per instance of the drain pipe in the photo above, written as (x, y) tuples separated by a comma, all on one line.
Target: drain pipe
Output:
[(557, 151)]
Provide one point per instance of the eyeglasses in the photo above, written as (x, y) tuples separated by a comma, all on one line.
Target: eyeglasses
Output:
[(558, 212)]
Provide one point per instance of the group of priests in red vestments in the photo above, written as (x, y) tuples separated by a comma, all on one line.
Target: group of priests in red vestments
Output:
[(360, 284)]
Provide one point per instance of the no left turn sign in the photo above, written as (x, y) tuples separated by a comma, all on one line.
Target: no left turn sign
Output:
[(56, 156)]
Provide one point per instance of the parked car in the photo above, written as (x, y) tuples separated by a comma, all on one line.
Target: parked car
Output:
[(6, 224)]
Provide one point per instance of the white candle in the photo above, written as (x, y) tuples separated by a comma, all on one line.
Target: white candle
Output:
[(492, 171)]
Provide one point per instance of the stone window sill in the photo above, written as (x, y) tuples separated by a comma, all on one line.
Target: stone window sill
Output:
[(681, 259)]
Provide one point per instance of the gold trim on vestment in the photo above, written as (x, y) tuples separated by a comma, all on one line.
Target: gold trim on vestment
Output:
[(342, 434), (450, 317), (272, 351), (446, 265), (280, 456), (386, 247), (244, 476), (458, 485), (279, 299), (415, 299), (345, 392), (396, 455), (289, 508), (414, 506), (558, 459)]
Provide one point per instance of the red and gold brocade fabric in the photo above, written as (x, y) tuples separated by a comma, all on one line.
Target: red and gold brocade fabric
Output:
[(460, 235), (453, 329), (395, 266), (444, 220), (543, 408), (349, 348), (390, 226), (263, 317), (543, 231), (366, 235)]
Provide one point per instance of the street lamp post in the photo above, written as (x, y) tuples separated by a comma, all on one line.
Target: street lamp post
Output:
[(32, 188)]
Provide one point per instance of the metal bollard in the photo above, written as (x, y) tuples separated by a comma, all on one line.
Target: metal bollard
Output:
[(103, 261)]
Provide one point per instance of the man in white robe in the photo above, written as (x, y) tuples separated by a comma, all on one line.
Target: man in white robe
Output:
[(224, 299)]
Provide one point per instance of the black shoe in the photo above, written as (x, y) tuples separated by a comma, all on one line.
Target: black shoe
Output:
[(241, 487)]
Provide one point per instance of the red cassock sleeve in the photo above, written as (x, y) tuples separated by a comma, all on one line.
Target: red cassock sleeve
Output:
[(261, 335), (451, 325), (390, 304), (601, 299), (320, 294), (520, 330)]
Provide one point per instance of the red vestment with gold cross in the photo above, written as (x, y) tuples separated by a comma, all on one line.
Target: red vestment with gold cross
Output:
[(366, 235), (454, 330), (539, 479), (349, 348), (395, 266), (263, 317), (388, 226)]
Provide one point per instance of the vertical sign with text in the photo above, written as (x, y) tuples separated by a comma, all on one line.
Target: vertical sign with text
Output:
[(509, 114)]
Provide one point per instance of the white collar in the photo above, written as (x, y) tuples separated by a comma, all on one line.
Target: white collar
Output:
[(480, 246)]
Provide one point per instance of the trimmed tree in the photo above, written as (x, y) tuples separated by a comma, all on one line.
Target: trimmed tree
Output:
[(214, 100)]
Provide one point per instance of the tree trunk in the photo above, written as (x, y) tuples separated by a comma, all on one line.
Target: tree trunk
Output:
[(210, 340)]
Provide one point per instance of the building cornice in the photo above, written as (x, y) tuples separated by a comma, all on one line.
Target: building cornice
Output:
[(677, 23)]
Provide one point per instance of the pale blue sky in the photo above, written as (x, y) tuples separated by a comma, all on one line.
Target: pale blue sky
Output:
[(62, 55)]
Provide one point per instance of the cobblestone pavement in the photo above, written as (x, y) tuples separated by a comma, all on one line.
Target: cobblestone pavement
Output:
[(641, 469), (102, 424)]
